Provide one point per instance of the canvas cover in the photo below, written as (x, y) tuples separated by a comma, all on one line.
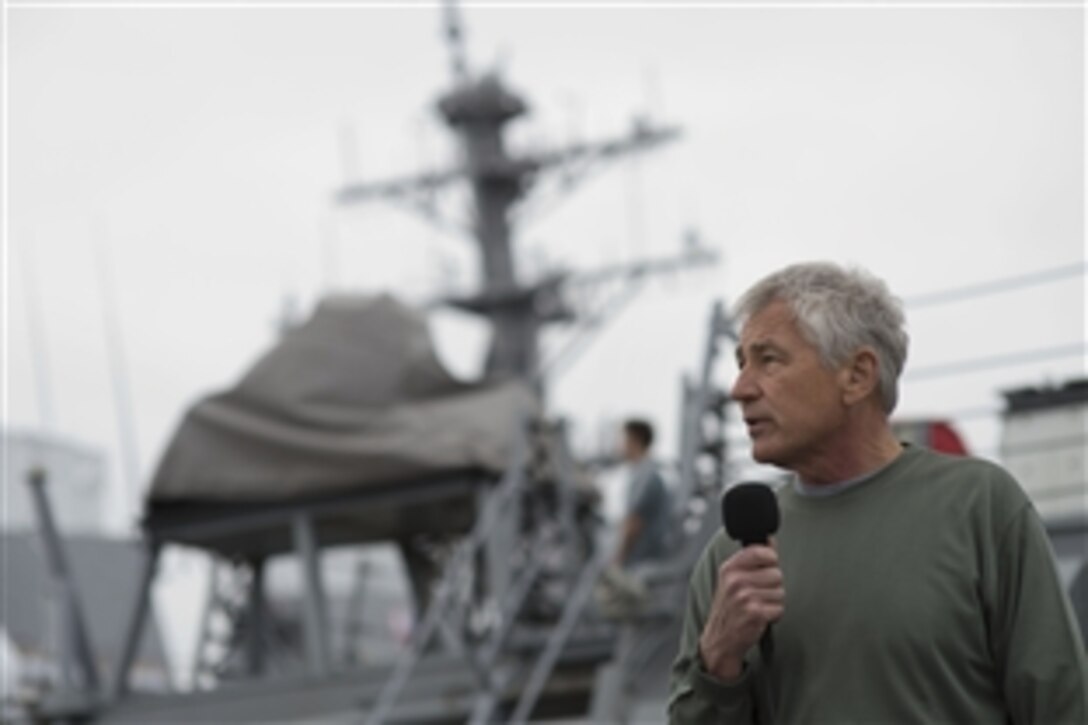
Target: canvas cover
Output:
[(354, 397)]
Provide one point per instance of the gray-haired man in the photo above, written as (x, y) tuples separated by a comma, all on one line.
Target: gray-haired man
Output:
[(904, 586)]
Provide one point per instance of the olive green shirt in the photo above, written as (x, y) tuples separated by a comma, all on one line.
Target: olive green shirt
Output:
[(925, 594)]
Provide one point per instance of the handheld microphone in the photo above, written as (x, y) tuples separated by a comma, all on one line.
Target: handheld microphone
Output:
[(750, 515)]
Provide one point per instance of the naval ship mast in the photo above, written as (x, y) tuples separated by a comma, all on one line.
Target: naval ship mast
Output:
[(507, 664), (477, 110)]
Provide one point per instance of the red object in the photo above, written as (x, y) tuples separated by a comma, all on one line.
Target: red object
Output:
[(944, 438), (938, 435)]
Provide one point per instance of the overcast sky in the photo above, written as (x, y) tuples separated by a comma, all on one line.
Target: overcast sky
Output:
[(193, 153)]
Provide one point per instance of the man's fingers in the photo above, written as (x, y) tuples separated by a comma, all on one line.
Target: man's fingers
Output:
[(776, 596), (757, 615), (751, 557), (755, 599), (772, 612), (764, 578), (743, 573), (757, 556), (750, 596)]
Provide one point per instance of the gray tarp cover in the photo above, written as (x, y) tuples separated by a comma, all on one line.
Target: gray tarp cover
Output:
[(354, 397)]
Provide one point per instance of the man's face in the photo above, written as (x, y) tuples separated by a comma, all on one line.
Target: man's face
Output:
[(792, 403), (630, 448)]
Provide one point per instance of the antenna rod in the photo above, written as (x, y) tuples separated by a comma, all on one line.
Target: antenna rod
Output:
[(126, 429), (456, 41), (38, 337)]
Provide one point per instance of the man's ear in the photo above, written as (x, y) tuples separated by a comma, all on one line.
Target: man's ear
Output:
[(860, 376)]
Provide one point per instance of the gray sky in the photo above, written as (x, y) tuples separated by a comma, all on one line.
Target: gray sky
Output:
[(197, 149)]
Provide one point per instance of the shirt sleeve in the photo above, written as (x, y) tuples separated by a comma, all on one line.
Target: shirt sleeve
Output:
[(695, 697), (637, 485), (650, 496), (1033, 630)]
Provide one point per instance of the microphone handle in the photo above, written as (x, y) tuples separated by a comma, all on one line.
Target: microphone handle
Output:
[(766, 654), (766, 646), (766, 642)]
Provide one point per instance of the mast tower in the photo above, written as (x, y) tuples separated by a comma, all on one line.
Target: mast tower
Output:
[(477, 110)]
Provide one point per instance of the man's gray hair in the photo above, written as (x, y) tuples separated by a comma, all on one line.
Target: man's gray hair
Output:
[(839, 311)]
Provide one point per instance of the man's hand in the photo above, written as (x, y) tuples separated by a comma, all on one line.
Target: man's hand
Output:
[(749, 597)]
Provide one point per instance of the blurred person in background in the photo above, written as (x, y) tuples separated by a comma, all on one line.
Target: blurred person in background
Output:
[(644, 530)]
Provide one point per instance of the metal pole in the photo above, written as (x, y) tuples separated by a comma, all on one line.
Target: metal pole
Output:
[(255, 620), (316, 624), (136, 621), (75, 638), (697, 398), (38, 339), (119, 379)]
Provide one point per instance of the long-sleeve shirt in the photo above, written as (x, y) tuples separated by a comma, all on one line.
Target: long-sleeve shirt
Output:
[(927, 593)]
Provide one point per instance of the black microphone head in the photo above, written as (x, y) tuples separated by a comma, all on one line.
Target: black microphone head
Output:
[(750, 513)]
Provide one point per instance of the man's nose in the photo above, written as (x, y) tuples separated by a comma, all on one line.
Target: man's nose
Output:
[(743, 388)]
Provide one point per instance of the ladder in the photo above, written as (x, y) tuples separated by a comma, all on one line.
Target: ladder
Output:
[(545, 546), (224, 622)]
